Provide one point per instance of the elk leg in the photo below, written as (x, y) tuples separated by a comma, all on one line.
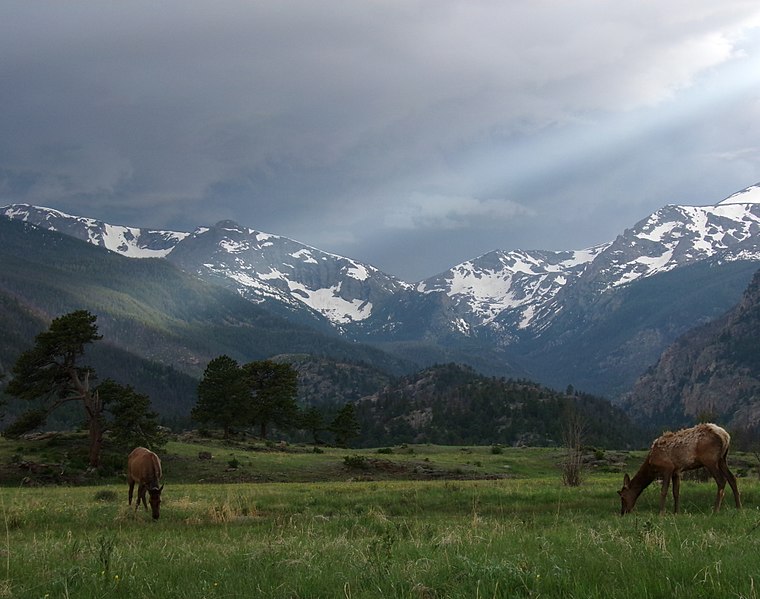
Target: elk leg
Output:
[(664, 491), (676, 491), (720, 480), (131, 489), (141, 497), (723, 465)]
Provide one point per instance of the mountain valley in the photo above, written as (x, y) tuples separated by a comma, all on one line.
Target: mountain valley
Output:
[(595, 319)]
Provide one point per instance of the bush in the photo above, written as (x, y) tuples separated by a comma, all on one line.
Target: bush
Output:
[(355, 462), (572, 468), (26, 422)]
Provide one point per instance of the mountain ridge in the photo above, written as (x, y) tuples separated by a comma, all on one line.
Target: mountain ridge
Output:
[(514, 313), (513, 289)]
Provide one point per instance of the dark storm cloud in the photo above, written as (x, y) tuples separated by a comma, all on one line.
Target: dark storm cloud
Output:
[(448, 128)]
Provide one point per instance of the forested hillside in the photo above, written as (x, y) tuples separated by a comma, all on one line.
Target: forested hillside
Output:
[(452, 404), (329, 384), (158, 323)]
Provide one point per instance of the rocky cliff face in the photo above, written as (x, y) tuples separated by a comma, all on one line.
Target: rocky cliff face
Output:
[(713, 370)]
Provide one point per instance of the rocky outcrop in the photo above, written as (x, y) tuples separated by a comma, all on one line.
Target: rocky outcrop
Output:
[(714, 370)]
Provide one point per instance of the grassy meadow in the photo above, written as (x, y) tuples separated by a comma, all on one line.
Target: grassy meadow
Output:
[(418, 522)]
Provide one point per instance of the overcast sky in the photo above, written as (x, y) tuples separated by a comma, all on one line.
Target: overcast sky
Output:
[(412, 135)]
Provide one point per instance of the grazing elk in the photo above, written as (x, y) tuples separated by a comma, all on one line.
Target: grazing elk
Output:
[(672, 453), (144, 468)]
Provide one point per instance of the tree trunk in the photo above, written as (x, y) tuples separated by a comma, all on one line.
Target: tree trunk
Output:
[(94, 408), (96, 441), (264, 430)]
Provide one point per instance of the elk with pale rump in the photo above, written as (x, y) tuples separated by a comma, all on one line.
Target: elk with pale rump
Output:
[(673, 453), (144, 468)]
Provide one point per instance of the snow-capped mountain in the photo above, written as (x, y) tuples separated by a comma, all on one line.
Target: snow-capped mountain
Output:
[(129, 241), (517, 282), (676, 236), (265, 267), (510, 292), (596, 318), (502, 293), (750, 195)]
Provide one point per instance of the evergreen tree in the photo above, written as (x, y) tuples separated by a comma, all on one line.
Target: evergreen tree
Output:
[(313, 421), (345, 426), (222, 395), (272, 394), (132, 423), (51, 372)]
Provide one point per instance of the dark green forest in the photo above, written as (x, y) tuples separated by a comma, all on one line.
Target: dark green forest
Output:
[(452, 404)]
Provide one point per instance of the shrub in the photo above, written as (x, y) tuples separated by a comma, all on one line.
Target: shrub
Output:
[(25, 422), (572, 468), (357, 462)]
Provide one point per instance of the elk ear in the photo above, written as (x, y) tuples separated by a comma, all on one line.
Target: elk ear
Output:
[(626, 481)]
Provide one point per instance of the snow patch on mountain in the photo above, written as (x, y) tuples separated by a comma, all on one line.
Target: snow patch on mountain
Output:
[(305, 255), (328, 301), (132, 242), (750, 195), (519, 282)]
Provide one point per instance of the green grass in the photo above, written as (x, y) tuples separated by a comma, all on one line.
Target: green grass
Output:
[(257, 463), (522, 536)]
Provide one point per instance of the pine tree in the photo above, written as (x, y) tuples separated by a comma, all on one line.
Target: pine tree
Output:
[(222, 395), (50, 372), (345, 426), (272, 391), (132, 422), (313, 420)]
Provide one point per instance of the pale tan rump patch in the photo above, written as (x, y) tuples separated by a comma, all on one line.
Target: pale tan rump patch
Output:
[(682, 447)]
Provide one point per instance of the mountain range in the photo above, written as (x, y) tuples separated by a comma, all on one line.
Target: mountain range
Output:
[(595, 318)]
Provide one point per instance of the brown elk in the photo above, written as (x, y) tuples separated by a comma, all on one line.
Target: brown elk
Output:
[(144, 468), (673, 453)]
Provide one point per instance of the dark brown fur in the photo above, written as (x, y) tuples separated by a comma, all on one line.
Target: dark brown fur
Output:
[(673, 453), (144, 468)]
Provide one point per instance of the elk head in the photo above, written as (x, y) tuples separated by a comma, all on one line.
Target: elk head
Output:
[(627, 496), (155, 500)]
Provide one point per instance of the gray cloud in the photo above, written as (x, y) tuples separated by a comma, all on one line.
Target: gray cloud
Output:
[(367, 127)]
